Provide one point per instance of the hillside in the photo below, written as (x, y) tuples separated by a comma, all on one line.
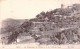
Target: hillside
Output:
[(58, 26)]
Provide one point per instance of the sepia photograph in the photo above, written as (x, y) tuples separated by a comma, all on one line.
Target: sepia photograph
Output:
[(40, 22)]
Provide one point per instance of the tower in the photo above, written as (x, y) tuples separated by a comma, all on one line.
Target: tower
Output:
[(62, 5)]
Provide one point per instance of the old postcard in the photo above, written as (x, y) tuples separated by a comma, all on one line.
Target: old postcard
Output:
[(39, 24)]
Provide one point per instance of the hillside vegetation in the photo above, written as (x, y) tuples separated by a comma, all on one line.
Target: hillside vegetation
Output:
[(58, 26)]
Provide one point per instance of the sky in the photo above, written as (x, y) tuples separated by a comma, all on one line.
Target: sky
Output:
[(27, 9)]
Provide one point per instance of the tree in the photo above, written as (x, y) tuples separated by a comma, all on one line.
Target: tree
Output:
[(26, 26), (41, 15)]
